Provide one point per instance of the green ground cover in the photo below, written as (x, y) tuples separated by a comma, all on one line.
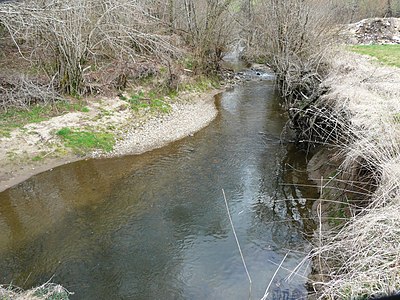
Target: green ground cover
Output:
[(17, 118), (82, 141), (387, 54)]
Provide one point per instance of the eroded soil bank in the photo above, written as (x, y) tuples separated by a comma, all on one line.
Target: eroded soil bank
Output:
[(135, 133), (359, 178)]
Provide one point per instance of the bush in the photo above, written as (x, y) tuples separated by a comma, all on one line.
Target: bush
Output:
[(67, 39)]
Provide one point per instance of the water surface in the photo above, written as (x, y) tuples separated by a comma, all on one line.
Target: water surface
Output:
[(155, 226)]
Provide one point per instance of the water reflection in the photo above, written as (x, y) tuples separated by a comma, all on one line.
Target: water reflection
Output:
[(155, 226)]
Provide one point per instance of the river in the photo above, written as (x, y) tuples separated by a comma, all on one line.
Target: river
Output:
[(155, 226)]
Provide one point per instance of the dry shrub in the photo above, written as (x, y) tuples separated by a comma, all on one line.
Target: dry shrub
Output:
[(68, 39), (118, 75), (295, 38), (21, 92), (361, 9), (208, 28)]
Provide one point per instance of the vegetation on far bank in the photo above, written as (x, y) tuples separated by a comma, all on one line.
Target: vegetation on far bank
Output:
[(145, 101)]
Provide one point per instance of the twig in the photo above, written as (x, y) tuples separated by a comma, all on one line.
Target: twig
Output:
[(273, 277), (238, 244)]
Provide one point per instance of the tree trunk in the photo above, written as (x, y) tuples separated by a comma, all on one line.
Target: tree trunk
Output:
[(389, 11), (171, 15)]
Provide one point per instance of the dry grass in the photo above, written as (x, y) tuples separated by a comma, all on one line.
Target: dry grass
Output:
[(362, 258), (48, 291)]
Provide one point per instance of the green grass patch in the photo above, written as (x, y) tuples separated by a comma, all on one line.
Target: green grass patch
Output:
[(202, 84), (70, 106), (387, 54), (157, 99), (17, 118), (396, 118), (149, 101), (188, 63), (82, 141), (37, 158)]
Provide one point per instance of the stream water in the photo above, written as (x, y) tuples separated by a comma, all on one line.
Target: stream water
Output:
[(155, 226)]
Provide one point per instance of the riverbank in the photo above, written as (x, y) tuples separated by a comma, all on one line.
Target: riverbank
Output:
[(36, 147), (357, 245)]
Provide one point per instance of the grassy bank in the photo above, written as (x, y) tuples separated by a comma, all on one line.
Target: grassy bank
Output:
[(359, 256), (100, 120)]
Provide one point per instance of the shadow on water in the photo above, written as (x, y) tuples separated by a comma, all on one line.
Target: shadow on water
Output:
[(155, 226)]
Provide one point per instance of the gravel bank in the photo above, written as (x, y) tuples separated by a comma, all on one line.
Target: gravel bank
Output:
[(185, 119), (135, 135)]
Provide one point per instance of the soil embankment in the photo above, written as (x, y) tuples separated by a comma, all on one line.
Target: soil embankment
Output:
[(359, 249), (135, 133)]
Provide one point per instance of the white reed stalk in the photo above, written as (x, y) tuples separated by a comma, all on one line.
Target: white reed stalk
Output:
[(273, 277), (238, 244)]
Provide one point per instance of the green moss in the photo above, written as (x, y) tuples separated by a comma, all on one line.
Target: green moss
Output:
[(82, 141), (337, 214), (387, 54), (37, 158)]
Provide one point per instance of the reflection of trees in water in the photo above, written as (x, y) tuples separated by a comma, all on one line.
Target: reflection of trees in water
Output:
[(290, 200), (286, 294), (297, 190)]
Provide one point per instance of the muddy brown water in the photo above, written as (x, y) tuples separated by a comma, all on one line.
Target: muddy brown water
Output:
[(155, 226)]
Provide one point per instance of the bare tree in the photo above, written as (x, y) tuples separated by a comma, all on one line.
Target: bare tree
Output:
[(294, 36), (206, 26), (69, 38)]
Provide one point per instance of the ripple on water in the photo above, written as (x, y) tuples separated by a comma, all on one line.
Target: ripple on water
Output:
[(155, 226)]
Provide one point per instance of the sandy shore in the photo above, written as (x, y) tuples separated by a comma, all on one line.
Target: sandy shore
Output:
[(135, 134)]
